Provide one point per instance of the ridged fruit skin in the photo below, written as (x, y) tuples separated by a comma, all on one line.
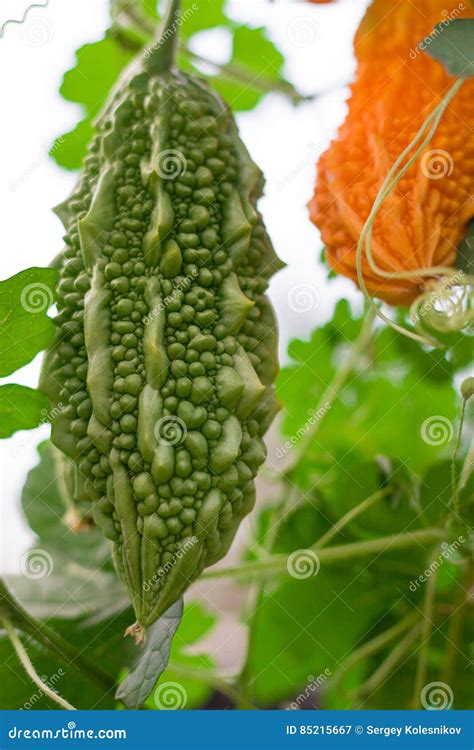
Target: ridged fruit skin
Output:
[(397, 85), (166, 345)]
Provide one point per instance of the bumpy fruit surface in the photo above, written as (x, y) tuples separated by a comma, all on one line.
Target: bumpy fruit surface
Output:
[(165, 351), (397, 86)]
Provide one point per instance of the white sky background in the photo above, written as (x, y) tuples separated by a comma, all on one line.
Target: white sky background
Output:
[(284, 141)]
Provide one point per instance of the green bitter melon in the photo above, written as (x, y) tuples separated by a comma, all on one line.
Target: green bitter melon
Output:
[(162, 366)]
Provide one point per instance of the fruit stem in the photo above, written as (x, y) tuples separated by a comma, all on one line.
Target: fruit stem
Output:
[(160, 55)]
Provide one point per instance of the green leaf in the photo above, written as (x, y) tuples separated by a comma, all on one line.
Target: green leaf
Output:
[(364, 421), (253, 51), (69, 149), (21, 408), (254, 69), (207, 14), (395, 512), (185, 668), (436, 495), (150, 9), (25, 327), (255, 66), (305, 627), (452, 43), (51, 515), (99, 637), (140, 681), (98, 65), (65, 592)]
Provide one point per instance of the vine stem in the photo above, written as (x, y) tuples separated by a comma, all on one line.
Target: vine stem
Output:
[(332, 391), (468, 466), (350, 515), (454, 483), (12, 611), (385, 670), (268, 541), (228, 69), (337, 553), (29, 668), (387, 187), (455, 626), (373, 646), (427, 626), (239, 74)]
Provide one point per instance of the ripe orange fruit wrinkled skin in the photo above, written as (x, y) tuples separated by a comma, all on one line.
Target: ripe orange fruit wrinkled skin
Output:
[(397, 85)]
